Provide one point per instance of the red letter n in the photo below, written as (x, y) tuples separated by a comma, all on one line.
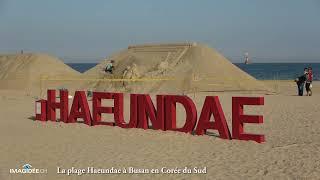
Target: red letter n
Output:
[(146, 109)]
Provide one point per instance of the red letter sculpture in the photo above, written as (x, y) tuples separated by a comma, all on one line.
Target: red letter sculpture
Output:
[(80, 108), (143, 111), (41, 110), (146, 109), (52, 105), (238, 118), (118, 111), (213, 107), (98, 109), (170, 111)]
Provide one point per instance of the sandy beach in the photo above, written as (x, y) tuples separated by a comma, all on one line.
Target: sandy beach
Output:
[(291, 150), (170, 90)]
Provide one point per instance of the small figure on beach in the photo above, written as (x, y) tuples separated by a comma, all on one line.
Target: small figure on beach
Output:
[(127, 74), (301, 81), (309, 81), (131, 72), (109, 67), (135, 71)]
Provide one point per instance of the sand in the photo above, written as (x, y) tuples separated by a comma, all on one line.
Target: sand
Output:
[(291, 150), (179, 68), (291, 126), (184, 68), (25, 71)]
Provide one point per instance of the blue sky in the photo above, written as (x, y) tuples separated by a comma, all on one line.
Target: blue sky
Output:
[(83, 31)]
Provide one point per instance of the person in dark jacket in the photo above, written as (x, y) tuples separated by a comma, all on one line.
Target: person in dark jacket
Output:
[(300, 83), (309, 81)]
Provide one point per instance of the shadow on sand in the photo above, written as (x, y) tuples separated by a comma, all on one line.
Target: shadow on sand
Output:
[(33, 118), (212, 134)]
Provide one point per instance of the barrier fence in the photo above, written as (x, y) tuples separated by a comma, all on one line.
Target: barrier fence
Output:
[(193, 79)]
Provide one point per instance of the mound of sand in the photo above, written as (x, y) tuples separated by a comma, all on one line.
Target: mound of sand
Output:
[(23, 71), (185, 67)]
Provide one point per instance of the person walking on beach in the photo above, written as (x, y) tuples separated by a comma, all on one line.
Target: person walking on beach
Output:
[(301, 81), (309, 81)]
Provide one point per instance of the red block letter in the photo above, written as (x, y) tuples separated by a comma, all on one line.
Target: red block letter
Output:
[(238, 118), (213, 107), (118, 111), (170, 111), (52, 105), (98, 109), (80, 103), (146, 109), (41, 110)]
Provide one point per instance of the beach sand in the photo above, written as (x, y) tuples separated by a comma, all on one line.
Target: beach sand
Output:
[(291, 123), (291, 151)]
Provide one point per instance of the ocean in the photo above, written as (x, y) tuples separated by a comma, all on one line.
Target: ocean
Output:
[(262, 71)]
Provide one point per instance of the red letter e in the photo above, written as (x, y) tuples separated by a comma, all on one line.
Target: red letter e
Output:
[(238, 118)]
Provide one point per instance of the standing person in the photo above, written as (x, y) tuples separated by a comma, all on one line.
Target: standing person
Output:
[(309, 81), (305, 71), (300, 82)]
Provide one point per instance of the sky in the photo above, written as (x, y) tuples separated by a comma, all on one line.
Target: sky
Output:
[(86, 31)]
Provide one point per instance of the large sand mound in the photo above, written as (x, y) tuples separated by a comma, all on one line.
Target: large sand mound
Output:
[(23, 71), (185, 67)]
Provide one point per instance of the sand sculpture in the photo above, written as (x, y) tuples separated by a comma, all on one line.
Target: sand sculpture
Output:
[(24, 71), (155, 68), (184, 67)]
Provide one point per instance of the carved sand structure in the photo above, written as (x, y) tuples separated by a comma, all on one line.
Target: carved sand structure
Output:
[(172, 68), (155, 68), (24, 71)]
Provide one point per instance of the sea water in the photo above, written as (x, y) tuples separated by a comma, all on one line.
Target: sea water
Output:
[(262, 71)]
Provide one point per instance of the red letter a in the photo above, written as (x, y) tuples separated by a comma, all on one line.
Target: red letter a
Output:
[(212, 106), (80, 103)]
